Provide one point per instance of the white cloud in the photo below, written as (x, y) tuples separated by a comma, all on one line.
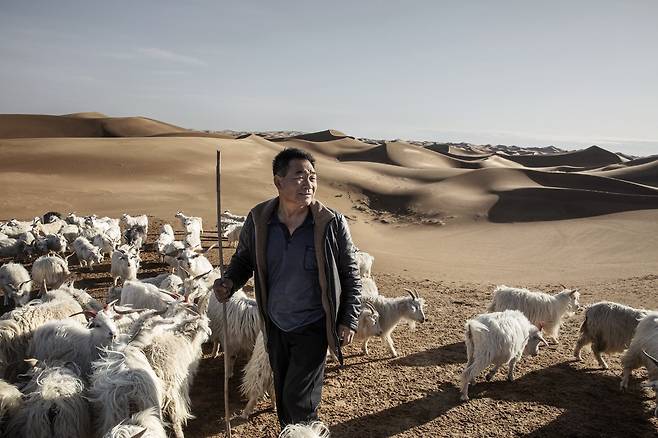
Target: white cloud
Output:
[(167, 55)]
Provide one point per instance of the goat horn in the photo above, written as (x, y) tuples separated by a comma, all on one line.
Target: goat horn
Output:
[(110, 304), (173, 295), (563, 286), (67, 257), (192, 311), (85, 313), (186, 271), (202, 275), (653, 359), (371, 307), (209, 248), (45, 287), (410, 292), (21, 284), (139, 434), (125, 312)]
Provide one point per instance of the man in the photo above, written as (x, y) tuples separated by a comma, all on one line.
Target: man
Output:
[(306, 281)]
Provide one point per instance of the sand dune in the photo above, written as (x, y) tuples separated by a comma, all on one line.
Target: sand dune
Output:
[(71, 164), (593, 156), (81, 125), (404, 180), (644, 171)]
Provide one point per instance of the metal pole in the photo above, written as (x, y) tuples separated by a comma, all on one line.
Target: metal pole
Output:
[(227, 413)]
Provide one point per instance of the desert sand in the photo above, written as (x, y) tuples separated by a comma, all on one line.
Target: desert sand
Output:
[(450, 221)]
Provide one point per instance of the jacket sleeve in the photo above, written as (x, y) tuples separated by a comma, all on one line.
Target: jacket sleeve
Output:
[(242, 264), (350, 279)]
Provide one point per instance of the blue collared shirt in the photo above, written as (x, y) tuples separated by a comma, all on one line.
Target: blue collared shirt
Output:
[(294, 297)]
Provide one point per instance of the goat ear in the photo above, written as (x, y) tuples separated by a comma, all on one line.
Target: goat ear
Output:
[(32, 362)]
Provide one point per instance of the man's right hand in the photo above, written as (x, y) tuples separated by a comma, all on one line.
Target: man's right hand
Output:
[(222, 288)]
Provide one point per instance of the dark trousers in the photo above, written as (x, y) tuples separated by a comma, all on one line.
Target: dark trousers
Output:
[(297, 360)]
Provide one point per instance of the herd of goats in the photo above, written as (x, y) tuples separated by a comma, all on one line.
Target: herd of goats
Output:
[(73, 366)]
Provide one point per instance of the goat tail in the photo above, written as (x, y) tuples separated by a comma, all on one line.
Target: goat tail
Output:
[(492, 305), (583, 326)]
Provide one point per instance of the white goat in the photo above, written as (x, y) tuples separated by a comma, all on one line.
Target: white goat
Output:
[(171, 252), (15, 283), (644, 339), (18, 326), (369, 325), (497, 338), (233, 217), (243, 325), (87, 253), (135, 236), (123, 383), (144, 424), (186, 220), (193, 229), (368, 286), (14, 227), (169, 282), (541, 309), (232, 234), (364, 261), (69, 341), (11, 401), (54, 405), (124, 265), (43, 229), (174, 356), (257, 379), (70, 232), (314, 429), (51, 242), (51, 270), (192, 264), (166, 237), (192, 238), (392, 311), (103, 224), (105, 243), (609, 327), (145, 296), (73, 219), (131, 221)]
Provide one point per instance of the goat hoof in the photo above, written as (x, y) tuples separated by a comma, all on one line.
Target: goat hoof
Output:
[(464, 397)]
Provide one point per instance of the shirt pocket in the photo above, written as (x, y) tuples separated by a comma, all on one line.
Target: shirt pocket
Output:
[(310, 262)]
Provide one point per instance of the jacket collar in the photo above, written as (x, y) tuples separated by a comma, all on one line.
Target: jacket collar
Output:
[(262, 213)]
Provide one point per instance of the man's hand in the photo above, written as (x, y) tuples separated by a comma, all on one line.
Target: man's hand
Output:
[(345, 335), (222, 288)]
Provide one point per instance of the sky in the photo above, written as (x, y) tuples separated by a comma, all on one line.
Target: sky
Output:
[(530, 73)]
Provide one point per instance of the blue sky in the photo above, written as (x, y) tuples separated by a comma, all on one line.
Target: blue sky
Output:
[(567, 73)]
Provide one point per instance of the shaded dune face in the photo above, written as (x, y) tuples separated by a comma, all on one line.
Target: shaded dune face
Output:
[(107, 165)]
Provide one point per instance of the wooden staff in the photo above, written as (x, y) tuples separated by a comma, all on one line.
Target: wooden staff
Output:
[(227, 413)]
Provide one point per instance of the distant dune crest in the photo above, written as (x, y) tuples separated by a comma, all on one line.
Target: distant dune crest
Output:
[(408, 181)]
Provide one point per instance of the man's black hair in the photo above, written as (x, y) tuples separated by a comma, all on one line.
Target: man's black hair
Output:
[(282, 160)]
